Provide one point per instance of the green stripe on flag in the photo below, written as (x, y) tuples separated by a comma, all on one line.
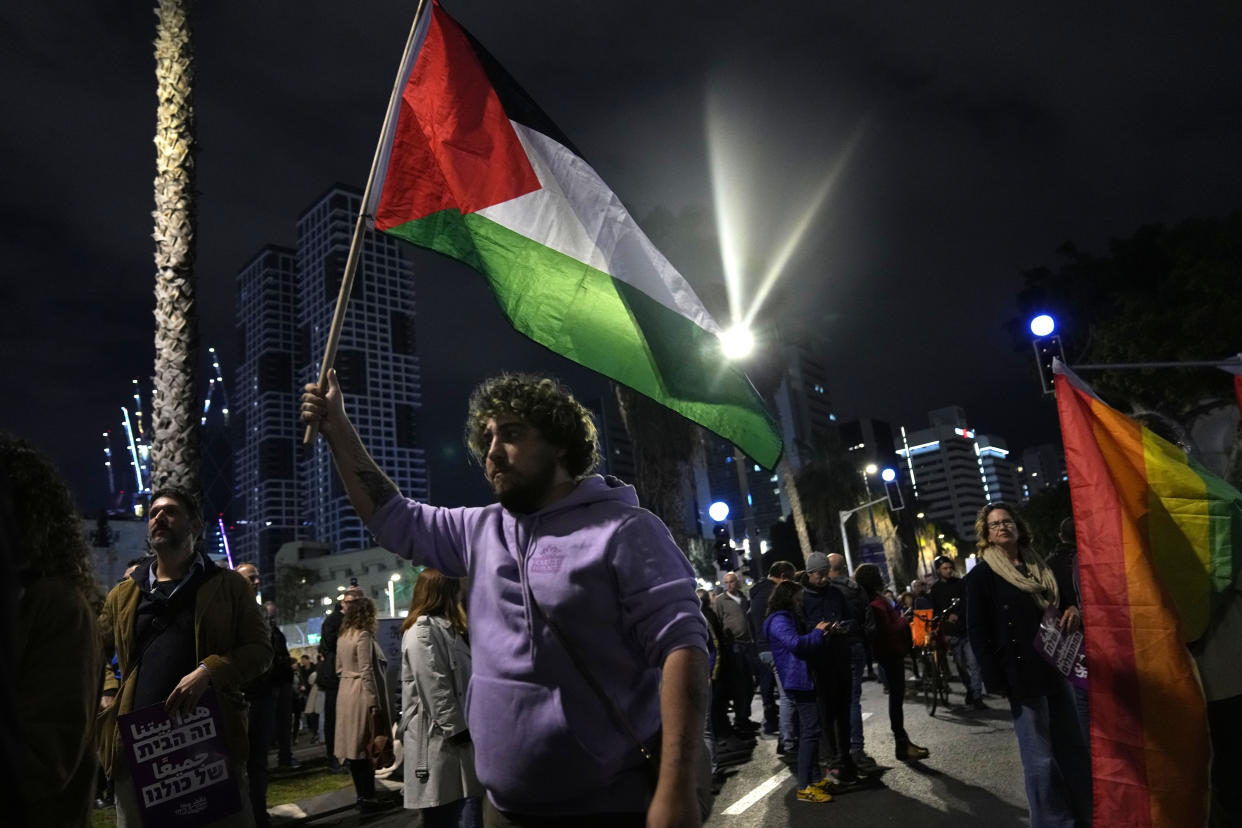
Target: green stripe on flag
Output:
[(599, 322)]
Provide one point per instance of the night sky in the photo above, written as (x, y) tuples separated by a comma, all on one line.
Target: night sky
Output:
[(968, 141)]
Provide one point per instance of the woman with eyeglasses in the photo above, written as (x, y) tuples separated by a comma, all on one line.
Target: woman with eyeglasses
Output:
[(1007, 594)]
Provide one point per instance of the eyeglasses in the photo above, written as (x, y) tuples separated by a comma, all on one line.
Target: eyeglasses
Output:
[(996, 524)]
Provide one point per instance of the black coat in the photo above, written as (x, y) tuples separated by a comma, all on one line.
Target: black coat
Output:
[(1002, 622), (827, 604), (759, 595)]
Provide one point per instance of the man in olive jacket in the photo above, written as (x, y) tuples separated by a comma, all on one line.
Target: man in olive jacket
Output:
[(178, 625)]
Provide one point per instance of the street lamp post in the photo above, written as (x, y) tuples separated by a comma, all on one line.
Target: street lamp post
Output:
[(392, 594)]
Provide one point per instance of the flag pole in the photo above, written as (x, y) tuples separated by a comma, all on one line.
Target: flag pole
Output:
[(355, 244)]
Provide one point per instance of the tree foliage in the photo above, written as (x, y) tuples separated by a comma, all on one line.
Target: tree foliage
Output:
[(293, 589), (1167, 293), (828, 484)]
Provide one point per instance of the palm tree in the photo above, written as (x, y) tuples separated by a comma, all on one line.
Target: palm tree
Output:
[(175, 448), (664, 443)]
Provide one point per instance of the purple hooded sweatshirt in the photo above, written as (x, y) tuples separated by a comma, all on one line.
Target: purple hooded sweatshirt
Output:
[(607, 572)]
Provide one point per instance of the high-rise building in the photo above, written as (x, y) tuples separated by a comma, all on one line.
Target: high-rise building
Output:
[(285, 302), (953, 470), (267, 498), (1043, 467), (802, 403), (376, 361)]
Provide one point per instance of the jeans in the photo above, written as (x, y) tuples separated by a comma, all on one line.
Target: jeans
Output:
[(744, 665), (806, 707), (832, 685), (858, 664), (284, 721), (768, 691), (363, 773), (1054, 758), (494, 818), (464, 813), (788, 720), (329, 724), (967, 667), (262, 720), (895, 670)]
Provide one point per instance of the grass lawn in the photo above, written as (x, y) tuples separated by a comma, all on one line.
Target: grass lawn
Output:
[(280, 790)]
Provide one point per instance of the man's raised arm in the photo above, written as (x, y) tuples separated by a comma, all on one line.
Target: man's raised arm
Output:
[(366, 485)]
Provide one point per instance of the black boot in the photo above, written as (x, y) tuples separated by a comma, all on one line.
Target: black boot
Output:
[(908, 751)]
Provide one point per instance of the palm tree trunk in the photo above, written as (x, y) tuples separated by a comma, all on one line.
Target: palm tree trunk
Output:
[(175, 453), (662, 441), (788, 483)]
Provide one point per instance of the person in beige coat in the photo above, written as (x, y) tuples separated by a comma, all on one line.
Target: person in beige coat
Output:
[(440, 779), (360, 668)]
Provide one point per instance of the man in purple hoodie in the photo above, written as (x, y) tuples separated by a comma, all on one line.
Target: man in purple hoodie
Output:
[(562, 549)]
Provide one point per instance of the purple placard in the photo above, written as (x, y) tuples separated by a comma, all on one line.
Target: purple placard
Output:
[(180, 764), (1064, 652)]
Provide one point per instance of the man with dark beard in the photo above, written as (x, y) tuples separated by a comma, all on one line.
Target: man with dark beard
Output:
[(579, 600), (178, 625)]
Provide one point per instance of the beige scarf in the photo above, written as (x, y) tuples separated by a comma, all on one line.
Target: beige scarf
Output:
[(1041, 585)]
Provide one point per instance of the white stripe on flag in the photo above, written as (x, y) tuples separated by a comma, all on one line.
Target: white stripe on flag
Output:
[(575, 213)]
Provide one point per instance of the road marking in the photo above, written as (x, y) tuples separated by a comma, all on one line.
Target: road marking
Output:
[(866, 715), (757, 794)]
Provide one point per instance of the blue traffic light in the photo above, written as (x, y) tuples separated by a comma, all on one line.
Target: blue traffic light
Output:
[(1043, 325), (888, 475), (718, 511)]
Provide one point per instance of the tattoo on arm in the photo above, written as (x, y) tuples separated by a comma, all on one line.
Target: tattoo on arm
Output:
[(362, 476), (377, 486)]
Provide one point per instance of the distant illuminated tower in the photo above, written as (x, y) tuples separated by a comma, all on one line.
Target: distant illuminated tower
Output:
[(376, 362), (954, 471), (267, 501)]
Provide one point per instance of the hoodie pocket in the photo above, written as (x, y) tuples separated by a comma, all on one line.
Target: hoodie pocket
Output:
[(524, 748)]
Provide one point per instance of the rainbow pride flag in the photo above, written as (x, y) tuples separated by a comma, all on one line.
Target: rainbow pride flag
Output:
[(1158, 549)]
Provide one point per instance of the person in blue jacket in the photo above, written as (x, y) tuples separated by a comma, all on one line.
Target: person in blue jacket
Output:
[(790, 649)]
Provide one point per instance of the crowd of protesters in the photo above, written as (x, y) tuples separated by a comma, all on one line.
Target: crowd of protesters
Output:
[(803, 641)]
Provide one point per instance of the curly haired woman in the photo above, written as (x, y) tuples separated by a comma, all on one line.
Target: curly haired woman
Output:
[(360, 668), (56, 664)]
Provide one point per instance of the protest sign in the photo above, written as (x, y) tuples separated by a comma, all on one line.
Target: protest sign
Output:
[(1063, 651), (180, 764)]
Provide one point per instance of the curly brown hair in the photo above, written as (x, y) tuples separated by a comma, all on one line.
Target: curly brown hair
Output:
[(48, 535), (981, 525), (544, 403), (359, 615)]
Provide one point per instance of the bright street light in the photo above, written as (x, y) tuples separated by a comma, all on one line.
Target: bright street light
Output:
[(872, 468), (737, 342), (396, 576), (1043, 325)]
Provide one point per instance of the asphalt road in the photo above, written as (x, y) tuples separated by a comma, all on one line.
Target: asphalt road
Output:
[(973, 777)]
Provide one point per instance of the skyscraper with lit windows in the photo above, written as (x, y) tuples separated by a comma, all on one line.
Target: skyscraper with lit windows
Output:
[(285, 303), (376, 362), (954, 470)]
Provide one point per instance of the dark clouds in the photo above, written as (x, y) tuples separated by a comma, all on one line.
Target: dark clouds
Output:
[(993, 132)]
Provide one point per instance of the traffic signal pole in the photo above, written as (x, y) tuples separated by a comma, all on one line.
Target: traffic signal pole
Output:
[(845, 540)]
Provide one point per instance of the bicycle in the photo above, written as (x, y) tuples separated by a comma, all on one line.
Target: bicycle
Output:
[(932, 656)]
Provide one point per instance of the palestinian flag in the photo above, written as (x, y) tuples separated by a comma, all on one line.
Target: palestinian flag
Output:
[(1159, 547), (476, 171)]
